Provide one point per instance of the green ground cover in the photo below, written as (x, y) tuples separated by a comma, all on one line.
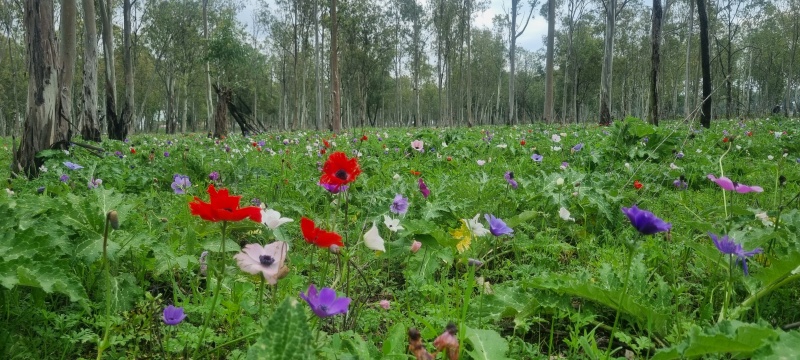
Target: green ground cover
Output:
[(573, 274)]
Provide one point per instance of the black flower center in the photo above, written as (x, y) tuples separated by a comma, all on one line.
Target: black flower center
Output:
[(266, 260), (511, 175), (341, 174), (324, 308)]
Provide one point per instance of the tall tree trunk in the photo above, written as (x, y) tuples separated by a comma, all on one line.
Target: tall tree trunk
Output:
[(549, 88), (40, 127), (608, 63), (655, 40), (705, 60), (64, 120), (91, 123), (336, 103), (114, 130), (687, 97), (129, 108), (209, 97), (318, 66), (221, 112)]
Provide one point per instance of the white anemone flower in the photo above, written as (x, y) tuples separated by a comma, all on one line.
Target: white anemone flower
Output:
[(373, 239), (476, 227), (564, 214), (392, 224)]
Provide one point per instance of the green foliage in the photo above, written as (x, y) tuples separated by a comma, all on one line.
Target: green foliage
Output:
[(740, 340), (486, 344), (286, 335)]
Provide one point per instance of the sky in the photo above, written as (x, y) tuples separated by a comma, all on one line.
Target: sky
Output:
[(531, 39)]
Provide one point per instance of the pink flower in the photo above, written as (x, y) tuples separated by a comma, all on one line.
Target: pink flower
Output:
[(385, 304), (415, 246), (728, 184), (418, 145), (267, 260)]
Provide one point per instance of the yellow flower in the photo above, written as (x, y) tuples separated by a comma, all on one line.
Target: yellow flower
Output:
[(463, 235)]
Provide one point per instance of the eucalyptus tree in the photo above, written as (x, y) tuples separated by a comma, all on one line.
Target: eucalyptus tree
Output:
[(367, 56), (41, 128), (514, 32), (705, 59), (12, 73), (173, 33), (655, 41), (129, 107), (612, 9), (414, 14), (488, 68), (573, 16), (90, 129), (549, 100), (105, 7), (68, 56)]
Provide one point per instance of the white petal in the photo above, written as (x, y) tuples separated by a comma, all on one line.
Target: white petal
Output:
[(273, 219), (373, 240), (392, 224), (564, 214)]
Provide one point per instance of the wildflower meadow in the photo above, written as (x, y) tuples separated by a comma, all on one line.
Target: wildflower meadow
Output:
[(526, 242)]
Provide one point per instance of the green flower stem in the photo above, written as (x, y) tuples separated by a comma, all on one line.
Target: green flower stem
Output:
[(763, 292), (619, 303), (107, 272), (470, 282), (728, 290), (260, 296), (220, 275), (722, 174)]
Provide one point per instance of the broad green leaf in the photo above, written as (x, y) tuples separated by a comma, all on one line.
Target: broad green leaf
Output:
[(644, 314), (395, 341), (728, 337), (50, 277), (286, 335), (486, 344)]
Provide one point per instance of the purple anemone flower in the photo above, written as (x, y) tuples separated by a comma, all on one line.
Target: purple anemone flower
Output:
[(166, 153), (680, 184), (729, 185), (180, 183), (64, 178), (645, 222), (727, 246), (537, 157), (72, 166), (214, 176), (497, 227), (509, 176), (578, 147), (173, 315), (424, 188), (399, 205), (94, 183), (325, 303)]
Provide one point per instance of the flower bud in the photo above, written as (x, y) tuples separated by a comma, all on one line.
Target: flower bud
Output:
[(415, 246), (113, 219), (282, 272), (474, 262), (334, 249)]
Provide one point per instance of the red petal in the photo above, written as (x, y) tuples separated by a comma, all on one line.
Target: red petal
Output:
[(327, 238), (309, 230)]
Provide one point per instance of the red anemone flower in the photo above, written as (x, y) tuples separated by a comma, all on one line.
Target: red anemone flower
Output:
[(522, 142), (364, 138), (326, 143), (223, 207), (339, 170), (415, 172), (133, 151), (317, 236), (322, 151), (637, 184)]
